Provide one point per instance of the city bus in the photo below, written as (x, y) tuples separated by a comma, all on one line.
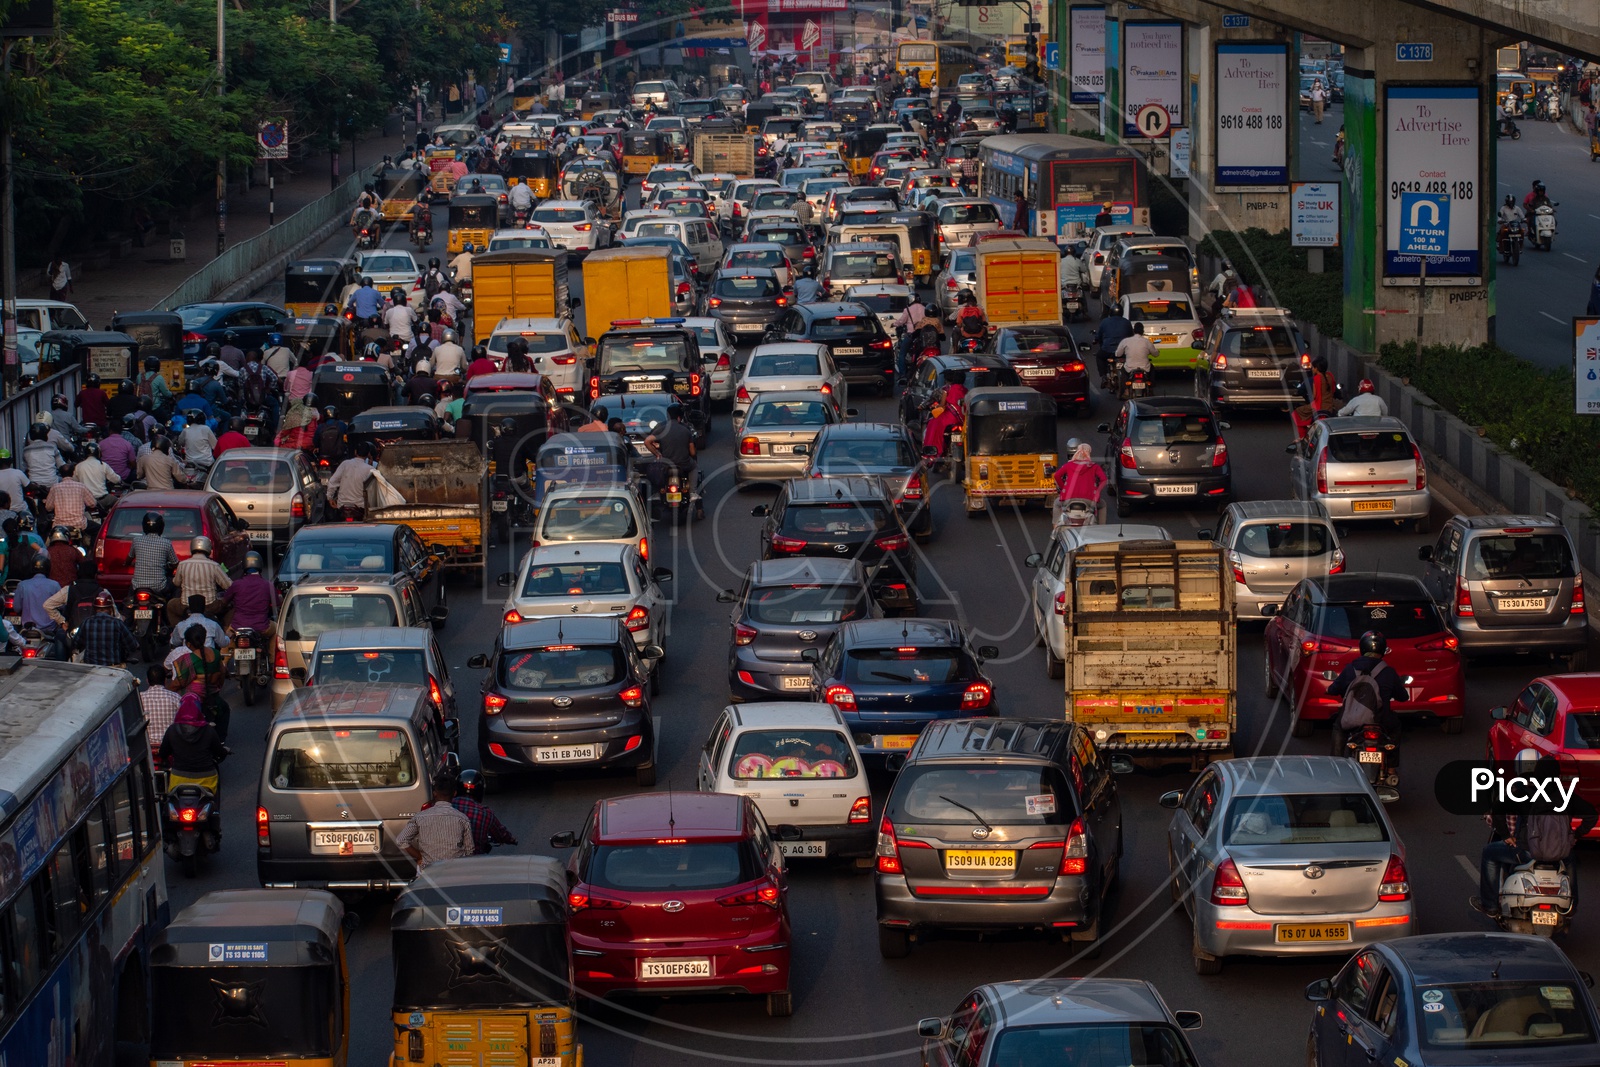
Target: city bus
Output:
[(82, 890), (1065, 180), (937, 63)]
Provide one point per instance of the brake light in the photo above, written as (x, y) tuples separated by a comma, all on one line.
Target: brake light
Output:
[(1336, 565), (893, 543), (494, 703), (742, 393), (142, 596), (594, 387), (192, 338), (1227, 888), (749, 446), (188, 814), (434, 691), (1220, 362), (840, 697), (889, 848), (633, 696), (1125, 457), (744, 635), (280, 661), (724, 361), (1305, 359), (512, 616), (30, 653), (1422, 471), (1219, 458), (644, 548), (714, 302), (827, 281), (1322, 472), (1099, 257), (915, 487), (1075, 857), (583, 227), (1445, 643), (977, 695), (1463, 599), (263, 828), (684, 288), (564, 361), (1395, 885), (861, 810), (781, 543), (580, 899), (783, 301), (809, 252), (766, 893), (637, 620), (1198, 335), (1577, 595)]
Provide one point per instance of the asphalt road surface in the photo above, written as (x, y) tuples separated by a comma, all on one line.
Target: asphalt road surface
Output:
[(851, 1006)]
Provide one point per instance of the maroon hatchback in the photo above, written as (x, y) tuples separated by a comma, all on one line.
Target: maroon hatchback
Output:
[(679, 893), (188, 513), (1047, 359)]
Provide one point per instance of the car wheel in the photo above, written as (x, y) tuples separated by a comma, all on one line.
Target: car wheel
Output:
[(1124, 508), (893, 944), (1454, 724), (1301, 727), (1578, 660), (1086, 409), (1422, 525), (1205, 962), (780, 1005), (655, 679), (1312, 1059), (644, 776), (1054, 666), (1269, 681), (1174, 886)]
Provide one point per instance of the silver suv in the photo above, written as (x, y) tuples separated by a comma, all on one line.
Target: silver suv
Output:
[(960, 219), (1362, 468), (1509, 583), (860, 263), (1272, 545)]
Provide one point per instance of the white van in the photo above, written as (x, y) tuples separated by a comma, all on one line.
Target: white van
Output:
[(698, 235)]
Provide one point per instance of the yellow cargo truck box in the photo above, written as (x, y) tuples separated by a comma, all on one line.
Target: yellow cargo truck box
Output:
[(1019, 281), (524, 283), (624, 283)]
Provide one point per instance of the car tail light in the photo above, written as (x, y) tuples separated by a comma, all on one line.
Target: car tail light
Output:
[(1075, 857), (714, 302), (581, 899), (827, 280), (1227, 888), (1238, 568), (723, 362), (1332, 647), (1336, 565), (512, 616), (809, 252), (743, 635), (1577, 595), (1442, 643), (192, 338), (1198, 335), (840, 697), (637, 620), (1305, 359), (594, 387), (1422, 471), (1463, 599), (742, 393), (915, 487), (1395, 885), (1219, 458), (684, 288), (1322, 472), (977, 695), (781, 543), (297, 507), (766, 893), (749, 446), (1125, 457), (280, 661), (633, 696), (893, 543), (1219, 362), (493, 703), (1061, 602), (861, 810), (583, 227), (434, 691), (950, 283), (563, 361), (889, 847), (881, 344)]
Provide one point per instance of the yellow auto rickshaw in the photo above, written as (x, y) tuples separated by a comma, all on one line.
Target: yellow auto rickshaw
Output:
[(536, 168), (252, 976), (1008, 447), (160, 337), (310, 285), (399, 190), (643, 149), (858, 148), (595, 101), (473, 219), (481, 970)]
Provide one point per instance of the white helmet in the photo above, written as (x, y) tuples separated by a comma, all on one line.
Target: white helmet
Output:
[(424, 367)]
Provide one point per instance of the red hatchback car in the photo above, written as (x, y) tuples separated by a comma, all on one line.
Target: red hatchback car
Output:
[(1047, 358), (1559, 716), (679, 893), (189, 513), (1317, 633)]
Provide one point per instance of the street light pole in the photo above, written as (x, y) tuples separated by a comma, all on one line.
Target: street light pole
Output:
[(222, 156), (8, 245)]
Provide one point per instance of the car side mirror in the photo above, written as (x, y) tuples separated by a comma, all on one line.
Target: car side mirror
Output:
[(1104, 427), (987, 652), (1425, 553), (661, 574), (587, 340), (478, 663), (1120, 763), (1223, 426), (930, 1028), (761, 511), (810, 655), (727, 596), (241, 524), (1499, 713), (652, 652), (1290, 450), (291, 635), (1271, 609), (1588, 979), (1319, 991), (1204, 535), (504, 579), (564, 839), (785, 832), (297, 675), (1189, 1020), (894, 761), (1033, 560), (1173, 799)]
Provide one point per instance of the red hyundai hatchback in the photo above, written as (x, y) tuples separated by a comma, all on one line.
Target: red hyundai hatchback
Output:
[(1557, 716), (1318, 632), (189, 513), (679, 893)]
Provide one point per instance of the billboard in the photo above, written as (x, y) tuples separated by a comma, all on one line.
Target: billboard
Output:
[(1431, 145), (1152, 71), (1252, 135)]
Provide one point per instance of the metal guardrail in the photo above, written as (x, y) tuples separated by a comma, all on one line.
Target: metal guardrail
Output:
[(17, 412)]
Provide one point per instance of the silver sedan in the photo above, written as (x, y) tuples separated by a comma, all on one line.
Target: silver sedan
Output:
[(960, 273), (779, 430)]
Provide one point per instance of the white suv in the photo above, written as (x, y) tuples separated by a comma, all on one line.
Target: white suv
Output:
[(574, 225), (555, 343), (819, 84)]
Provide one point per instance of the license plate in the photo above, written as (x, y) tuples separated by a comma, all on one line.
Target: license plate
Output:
[(783, 450), (261, 535), (804, 848), (748, 327), (499, 505), (847, 351), (566, 754), (1369, 755), (252, 430), (976, 860), (1296, 933), (139, 614), (1521, 603), (1540, 917), (1185, 489), (344, 842), (1035, 372), (245, 655), (644, 387), (796, 681), (1164, 340), (675, 968), (674, 496), (1263, 374), (894, 740), (1372, 505)]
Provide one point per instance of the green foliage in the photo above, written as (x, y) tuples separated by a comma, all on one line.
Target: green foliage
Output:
[(430, 41), (1267, 259), (1526, 411)]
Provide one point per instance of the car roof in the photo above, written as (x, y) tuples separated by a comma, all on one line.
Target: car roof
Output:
[(1280, 509), (329, 579), (835, 487), (338, 531), (865, 429), (991, 738), (1373, 585), (531, 325), (1446, 959), (1576, 690), (788, 348), (339, 700), (1105, 533), (747, 272), (1156, 298), (370, 637), (581, 551), (833, 309), (1496, 522), (164, 498), (1075, 1001), (775, 396), (672, 814), (566, 630), (784, 713), (1161, 405), (896, 633), (1365, 424), (260, 452), (806, 570), (1273, 775)]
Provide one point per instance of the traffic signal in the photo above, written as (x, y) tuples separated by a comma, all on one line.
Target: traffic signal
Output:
[(1031, 70)]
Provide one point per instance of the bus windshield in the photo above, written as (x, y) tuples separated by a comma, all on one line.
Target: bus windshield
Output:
[(918, 53), (1093, 181)]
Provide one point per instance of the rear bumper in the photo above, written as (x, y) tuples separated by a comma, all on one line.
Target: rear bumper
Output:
[(1142, 487), (1442, 693), (1067, 904), (847, 841), (1253, 934), (605, 968), (768, 468), (1569, 636), (765, 678), (381, 873), (1175, 357), (1407, 505), (515, 746)]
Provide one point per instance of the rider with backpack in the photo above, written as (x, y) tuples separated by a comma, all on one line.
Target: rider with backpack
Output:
[(1369, 687), (1516, 839), (258, 387)]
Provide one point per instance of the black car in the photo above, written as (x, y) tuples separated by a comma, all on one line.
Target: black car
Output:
[(1254, 358), (844, 518), (1047, 359), (638, 411), (783, 607), (982, 371), (696, 111), (375, 547), (1039, 787), (567, 693), (747, 300), (250, 322), (861, 349), (1169, 449), (882, 450), (651, 356)]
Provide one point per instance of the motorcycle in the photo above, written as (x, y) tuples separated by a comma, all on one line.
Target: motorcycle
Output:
[(1544, 225), (1078, 511), (1552, 109), (250, 665), (1072, 302), (191, 825), (1536, 898), (681, 499), (147, 618), (367, 236), (1375, 752), (968, 343), (509, 508), (1507, 127), (1509, 241), (35, 645), (1134, 384), (255, 425)]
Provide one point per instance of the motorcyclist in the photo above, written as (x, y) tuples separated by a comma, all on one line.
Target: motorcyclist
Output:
[(908, 322), (62, 556), (1511, 211), (487, 829), (199, 445), (1536, 198), (1324, 396), (231, 438), (62, 418), (807, 290), (1113, 329), (13, 483), (125, 403), (92, 402), (945, 410), (521, 197), (461, 266), (298, 428), (971, 322), (1390, 687), (154, 394), (1133, 354), (252, 600), (103, 638), (332, 434), (192, 749), (1366, 401), (41, 459), (199, 575), (278, 357), (97, 475), (449, 358), (420, 383), (672, 443), (434, 279), (230, 352), (1073, 271), (29, 599), (158, 470), (1080, 478), (366, 301), (348, 486), (153, 557)]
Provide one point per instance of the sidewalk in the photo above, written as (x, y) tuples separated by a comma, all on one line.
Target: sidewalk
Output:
[(135, 283)]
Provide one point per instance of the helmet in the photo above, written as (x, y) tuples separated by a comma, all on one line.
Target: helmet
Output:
[(1366, 386), (330, 309), (1511, 201), (480, 352), (398, 295), (1072, 444), (60, 535), (372, 351), (470, 784), (152, 363), (59, 400), (103, 601), (90, 448), (125, 386), (274, 339), (94, 381), (448, 337), (1373, 644), (433, 263), (229, 336), (470, 247), (965, 297), (330, 411), (236, 424), (425, 400), (253, 561), (213, 350), (366, 280), (309, 400), (200, 545), (177, 424), (424, 367), (5, 456), (39, 431)]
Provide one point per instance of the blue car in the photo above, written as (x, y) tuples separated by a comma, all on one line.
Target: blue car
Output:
[(250, 323), (1459, 999), (889, 678)]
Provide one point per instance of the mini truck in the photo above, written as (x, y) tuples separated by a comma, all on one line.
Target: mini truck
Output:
[(443, 483), (1151, 652)]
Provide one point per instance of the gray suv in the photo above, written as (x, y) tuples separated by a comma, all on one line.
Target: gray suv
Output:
[(1509, 583)]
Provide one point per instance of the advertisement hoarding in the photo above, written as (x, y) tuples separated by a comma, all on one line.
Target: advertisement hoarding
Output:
[(1431, 145), (1152, 71), (1088, 54), (1252, 115)]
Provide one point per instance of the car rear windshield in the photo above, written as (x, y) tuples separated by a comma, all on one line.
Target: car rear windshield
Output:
[(1372, 447), (1537, 556), (884, 666), (1038, 340), (1001, 796), (833, 520), (862, 265), (788, 236), (181, 522), (883, 303), (558, 214), (1275, 540), (842, 326), (342, 757), (775, 199), (314, 614), (663, 868), (698, 107), (747, 286), (1175, 428), (332, 555), (1583, 729), (805, 605), (575, 579), (783, 127), (1396, 619), (642, 353), (355, 665), (587, 519), (1304, 819), (1527, 1014), (776, 414), (500, 244), (959, 214), (866, 452), (1275, 342), (758, 257), (538, 343), (658, 228), (792, 753), (1123, 1044), (783, 365), (1175, 309), (561, 667)]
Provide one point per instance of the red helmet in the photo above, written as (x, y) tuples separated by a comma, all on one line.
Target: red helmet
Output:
[(1366, 386)]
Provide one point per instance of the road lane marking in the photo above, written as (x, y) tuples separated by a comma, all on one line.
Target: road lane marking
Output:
[(1569, 255), (1466, 865), (1324, 144), (1552, 318)]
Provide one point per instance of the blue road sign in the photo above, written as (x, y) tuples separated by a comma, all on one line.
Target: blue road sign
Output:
[(1052, 55), (1413, 52), (1424, 224), (1235, 22), (505, 53)]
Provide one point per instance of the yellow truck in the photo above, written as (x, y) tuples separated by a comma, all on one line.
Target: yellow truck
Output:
[(523, 283), (1019, 281), (1151, 654), (622, 284), (443, 486)]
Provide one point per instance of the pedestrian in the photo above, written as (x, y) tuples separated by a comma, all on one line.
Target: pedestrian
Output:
[(60, 276), (1319, 100), (439, 831), (1021, 215)]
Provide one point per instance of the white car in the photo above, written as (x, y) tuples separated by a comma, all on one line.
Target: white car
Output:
[(633, 219), (819, 84), (739, 197), (1099, 247), (816, 190), (768, 254), (1049, 592), (719, 185), (677, 191), (663, 173), (555, 343), (574, 225), (886, 301), (602, 578), (593, 515), (787, 367), (527, 237), (717, 355), (1172, 325), (388, 267)]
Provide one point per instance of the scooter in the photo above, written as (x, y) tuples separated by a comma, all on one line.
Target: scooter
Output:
[(1552, 109), (1510, 240), (255, 425), (1544, 225), (1072, 302), (251, 664), (1078, 511), (1507, 127), (367, 236), (1536, 898), (191, 825), (1374, 751), (147, 618)]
